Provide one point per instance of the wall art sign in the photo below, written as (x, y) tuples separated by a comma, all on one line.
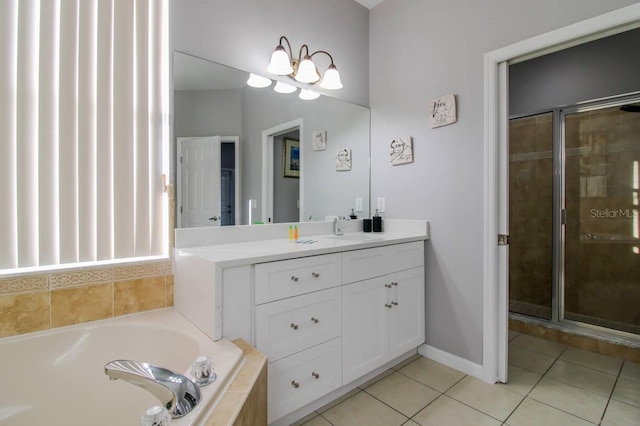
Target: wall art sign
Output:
[(343, 159), (442, 111), (401, 150), (319, 140)]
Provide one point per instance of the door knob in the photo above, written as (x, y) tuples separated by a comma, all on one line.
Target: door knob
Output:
[(215, 218)]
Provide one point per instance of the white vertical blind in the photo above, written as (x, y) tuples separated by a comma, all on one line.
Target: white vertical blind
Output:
[(81, 130)]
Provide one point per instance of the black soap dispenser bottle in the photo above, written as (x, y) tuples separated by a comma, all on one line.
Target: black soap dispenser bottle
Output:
[(377, 222)]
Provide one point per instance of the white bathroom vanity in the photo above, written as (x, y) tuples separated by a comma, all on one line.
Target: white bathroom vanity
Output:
[(328, 311)]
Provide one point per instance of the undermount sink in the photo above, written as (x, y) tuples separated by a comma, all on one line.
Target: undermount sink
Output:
[(358, 237)]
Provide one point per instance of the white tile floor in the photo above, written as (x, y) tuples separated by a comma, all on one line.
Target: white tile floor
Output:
[(549, 384)]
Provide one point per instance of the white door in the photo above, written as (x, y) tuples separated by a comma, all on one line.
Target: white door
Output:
[(199, 174)]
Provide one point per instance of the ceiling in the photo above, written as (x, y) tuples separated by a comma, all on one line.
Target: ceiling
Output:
[(369, 3)]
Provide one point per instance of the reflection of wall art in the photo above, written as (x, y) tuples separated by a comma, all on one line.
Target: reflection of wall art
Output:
[(343, 159), (319, 140), (442, 111), (401, 151), (291, 158)]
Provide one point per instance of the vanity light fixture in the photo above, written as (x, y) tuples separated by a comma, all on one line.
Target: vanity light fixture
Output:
[(303, 69), (307, 95), (281, 87), (258, 81)]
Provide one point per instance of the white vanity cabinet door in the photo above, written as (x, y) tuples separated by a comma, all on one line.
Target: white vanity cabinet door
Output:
[(406, 316), (278, 280), (297, 380), (383, 318), (290, 325), (365, 333)]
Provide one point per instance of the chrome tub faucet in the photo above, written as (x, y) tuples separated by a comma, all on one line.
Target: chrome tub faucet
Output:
[(177, 393)]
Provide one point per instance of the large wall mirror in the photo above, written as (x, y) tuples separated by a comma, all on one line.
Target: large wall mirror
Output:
[(247, 155)]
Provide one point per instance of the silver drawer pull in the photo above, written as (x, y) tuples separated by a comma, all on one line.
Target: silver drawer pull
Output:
[(315, 274), (295, 384), (294, 326), (394, 303), (387, 285), (314, 319), (315, 375), (386, 305), (294, 278)]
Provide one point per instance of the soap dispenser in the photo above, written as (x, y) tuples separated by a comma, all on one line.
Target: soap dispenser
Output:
[(353, 215), (377, 222)]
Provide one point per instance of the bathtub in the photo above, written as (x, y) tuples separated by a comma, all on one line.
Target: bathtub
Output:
[(57, 377)]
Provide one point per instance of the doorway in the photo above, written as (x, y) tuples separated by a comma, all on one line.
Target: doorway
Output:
[(271, 137), (495, 304), (574, 255)]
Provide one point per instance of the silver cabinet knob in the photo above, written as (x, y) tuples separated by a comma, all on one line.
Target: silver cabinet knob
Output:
[(315, 274), (294, 278), (386, 305), (315, 375), (294, 326), (295, 384), (395, 284), (315, 320), (394, 303), (387, 285)]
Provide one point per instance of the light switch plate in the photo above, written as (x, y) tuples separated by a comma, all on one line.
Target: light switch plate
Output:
[(358, 204), (381, 205)]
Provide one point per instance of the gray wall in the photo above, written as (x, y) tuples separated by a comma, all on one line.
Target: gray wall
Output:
[(601, 68), (243, 34), (286, 191), (208, 113), (420, 50)]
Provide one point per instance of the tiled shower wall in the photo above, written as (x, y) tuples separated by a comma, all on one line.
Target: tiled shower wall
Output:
[(48, 300)]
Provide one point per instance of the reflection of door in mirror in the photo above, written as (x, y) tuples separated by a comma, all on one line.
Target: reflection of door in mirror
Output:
[(207, 170)]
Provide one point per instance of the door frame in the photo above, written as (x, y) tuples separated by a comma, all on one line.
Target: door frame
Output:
[(178, 190), (268, 137), (495, 279)]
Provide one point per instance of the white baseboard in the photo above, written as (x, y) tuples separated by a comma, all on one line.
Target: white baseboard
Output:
[(453, 361)]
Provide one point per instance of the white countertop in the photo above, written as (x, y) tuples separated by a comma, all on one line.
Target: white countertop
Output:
[(245, 253)]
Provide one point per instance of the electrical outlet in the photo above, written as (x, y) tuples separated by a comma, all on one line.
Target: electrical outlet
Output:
[(358, 204), (381, 205)]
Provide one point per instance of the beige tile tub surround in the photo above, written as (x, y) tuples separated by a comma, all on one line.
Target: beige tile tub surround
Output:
[(42, 301)]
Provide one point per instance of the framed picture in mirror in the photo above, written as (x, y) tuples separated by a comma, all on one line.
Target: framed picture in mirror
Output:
[(291, 158)]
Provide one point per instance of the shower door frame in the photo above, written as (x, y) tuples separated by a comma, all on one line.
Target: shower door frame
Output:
[(559, 216)]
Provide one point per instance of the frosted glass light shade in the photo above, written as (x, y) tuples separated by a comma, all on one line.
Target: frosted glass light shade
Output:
[(307, 72), (280, 62), (308, 95), (281, 87), (331, 79), (258, 81)]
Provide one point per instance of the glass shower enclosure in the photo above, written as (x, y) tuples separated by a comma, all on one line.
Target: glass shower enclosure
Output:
[(574, 185)]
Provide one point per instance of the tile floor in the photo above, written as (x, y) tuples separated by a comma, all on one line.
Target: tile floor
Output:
[(549, 384)]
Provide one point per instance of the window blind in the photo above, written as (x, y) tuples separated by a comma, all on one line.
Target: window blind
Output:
[(83, 130)]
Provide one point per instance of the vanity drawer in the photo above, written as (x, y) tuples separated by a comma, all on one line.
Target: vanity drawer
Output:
[(290, 325), (278, 280), (302, 378), (360, 265)]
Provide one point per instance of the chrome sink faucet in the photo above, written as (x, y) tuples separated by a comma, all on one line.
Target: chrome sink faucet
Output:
[(337, 228), (177, 393)]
